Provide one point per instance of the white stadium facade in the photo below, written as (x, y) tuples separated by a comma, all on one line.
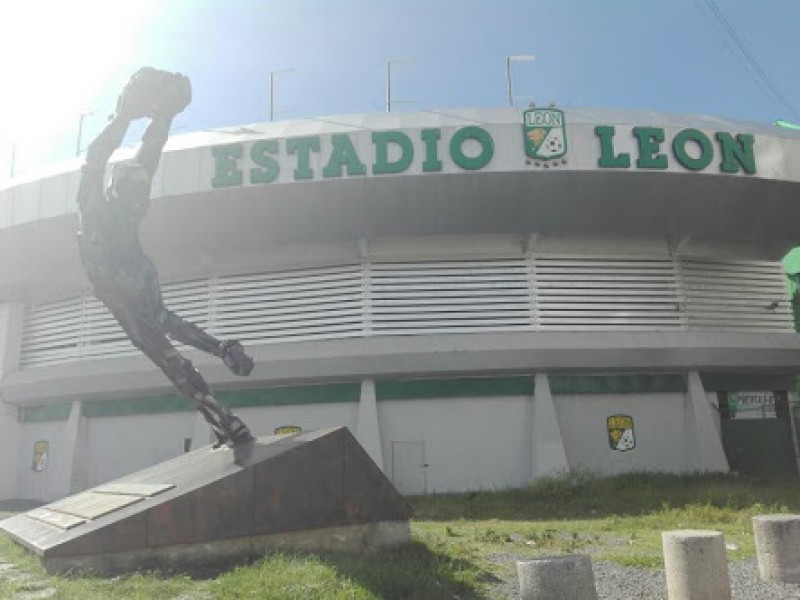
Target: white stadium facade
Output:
[(483, 297)]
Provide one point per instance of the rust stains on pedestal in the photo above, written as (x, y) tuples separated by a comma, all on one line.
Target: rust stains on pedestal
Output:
[(188, 510)]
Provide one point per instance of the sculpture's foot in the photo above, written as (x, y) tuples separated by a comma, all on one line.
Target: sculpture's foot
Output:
[(227, 427), (237, 432), (235, 359)]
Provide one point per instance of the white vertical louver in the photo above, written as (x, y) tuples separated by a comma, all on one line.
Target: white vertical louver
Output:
[(450, 297), (545, 292), (749, 295), (309, 304), (603, 292)]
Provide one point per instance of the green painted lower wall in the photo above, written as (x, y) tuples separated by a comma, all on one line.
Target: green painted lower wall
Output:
[(466, 387), (732, 382), (618, 384), (412, 389), (312, 394), (45, 414)]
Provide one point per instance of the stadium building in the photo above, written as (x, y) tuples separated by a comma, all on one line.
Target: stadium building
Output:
[(483, 297)]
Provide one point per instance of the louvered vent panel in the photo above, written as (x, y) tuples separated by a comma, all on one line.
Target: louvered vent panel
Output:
[(84, 328), (601, 292), (290, 306), (51, 333), (449, 297), (747, 295)]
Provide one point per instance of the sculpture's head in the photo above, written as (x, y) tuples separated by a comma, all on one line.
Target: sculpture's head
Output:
[(130, 185)]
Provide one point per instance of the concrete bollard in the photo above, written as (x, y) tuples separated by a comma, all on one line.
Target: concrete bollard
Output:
[(557, 578), (696, 565), (778, 547)]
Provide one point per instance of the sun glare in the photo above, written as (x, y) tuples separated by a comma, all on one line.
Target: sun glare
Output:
[(55, 58)]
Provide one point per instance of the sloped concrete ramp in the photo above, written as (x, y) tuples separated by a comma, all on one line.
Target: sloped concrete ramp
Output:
[(315, 491)]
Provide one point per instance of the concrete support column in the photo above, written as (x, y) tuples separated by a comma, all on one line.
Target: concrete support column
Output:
[(75, 448), (778, 547), (368, 432), (709, 454), (557, 578), (10, 429), (549, 455), (696, 565), (11, 315)]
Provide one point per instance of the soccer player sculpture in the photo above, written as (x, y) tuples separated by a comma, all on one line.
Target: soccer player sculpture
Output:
[(123, 276)]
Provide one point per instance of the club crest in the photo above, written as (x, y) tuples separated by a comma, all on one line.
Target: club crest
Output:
[(621, 436), (41, 453), (544, 133), (288, 429)]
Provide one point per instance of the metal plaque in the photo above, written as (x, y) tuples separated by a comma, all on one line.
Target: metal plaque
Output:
[(56, 519), (134, 489), (90, 505)]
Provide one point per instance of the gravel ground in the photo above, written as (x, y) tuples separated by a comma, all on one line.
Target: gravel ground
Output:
[(613, 581)]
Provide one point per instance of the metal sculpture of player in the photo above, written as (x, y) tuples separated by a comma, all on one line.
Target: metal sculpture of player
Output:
[(123, 276)]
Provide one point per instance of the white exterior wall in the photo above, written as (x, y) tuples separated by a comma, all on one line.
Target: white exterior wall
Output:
[(469, 443), (662, 441), (264, 420), (120, 445), (116, 446)]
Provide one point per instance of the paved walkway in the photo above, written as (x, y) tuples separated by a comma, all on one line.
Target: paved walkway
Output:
[(28, 587)]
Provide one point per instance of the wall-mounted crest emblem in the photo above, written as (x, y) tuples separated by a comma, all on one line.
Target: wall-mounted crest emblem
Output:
[(288, 429), (545, 133), (621, 435), (41, 454)]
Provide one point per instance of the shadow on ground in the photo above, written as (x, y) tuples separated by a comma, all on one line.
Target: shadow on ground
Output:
[(413, 571)]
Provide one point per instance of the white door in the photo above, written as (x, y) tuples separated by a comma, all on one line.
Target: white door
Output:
[(409, 468)]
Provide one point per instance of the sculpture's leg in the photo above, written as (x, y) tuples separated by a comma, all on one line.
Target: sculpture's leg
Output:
[(146, 334), (230, 351)]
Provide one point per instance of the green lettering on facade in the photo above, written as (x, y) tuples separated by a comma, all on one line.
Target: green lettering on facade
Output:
[(226, 167), (703, 144), (605, 134), (738, 153), (381, 140), (303, 147), (269, 166), (650, 140), (470, 163), (343, 154), (431, 137)]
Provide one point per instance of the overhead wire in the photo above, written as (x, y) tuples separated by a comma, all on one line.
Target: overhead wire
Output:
[(752, 66)]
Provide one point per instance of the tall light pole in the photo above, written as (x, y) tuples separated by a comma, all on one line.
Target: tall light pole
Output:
[(389, 81), (81, 117), (514, 57), (272, 90)]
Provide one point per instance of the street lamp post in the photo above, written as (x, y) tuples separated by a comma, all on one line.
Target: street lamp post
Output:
[(81, 117), (389, 81), (515, 57), (272, 90)]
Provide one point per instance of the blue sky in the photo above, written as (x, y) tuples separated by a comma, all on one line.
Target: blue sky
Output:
[(62, 58)]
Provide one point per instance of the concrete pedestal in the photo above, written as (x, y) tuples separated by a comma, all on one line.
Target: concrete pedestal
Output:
[(778, 547), (310, 491), (696, 565), (557, 578)]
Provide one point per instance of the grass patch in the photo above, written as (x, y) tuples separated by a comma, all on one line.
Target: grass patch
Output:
[(464, 544)]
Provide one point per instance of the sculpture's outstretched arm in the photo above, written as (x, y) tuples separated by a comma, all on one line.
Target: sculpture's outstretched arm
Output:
[(153, 141), (174, 95), (90, 190)]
